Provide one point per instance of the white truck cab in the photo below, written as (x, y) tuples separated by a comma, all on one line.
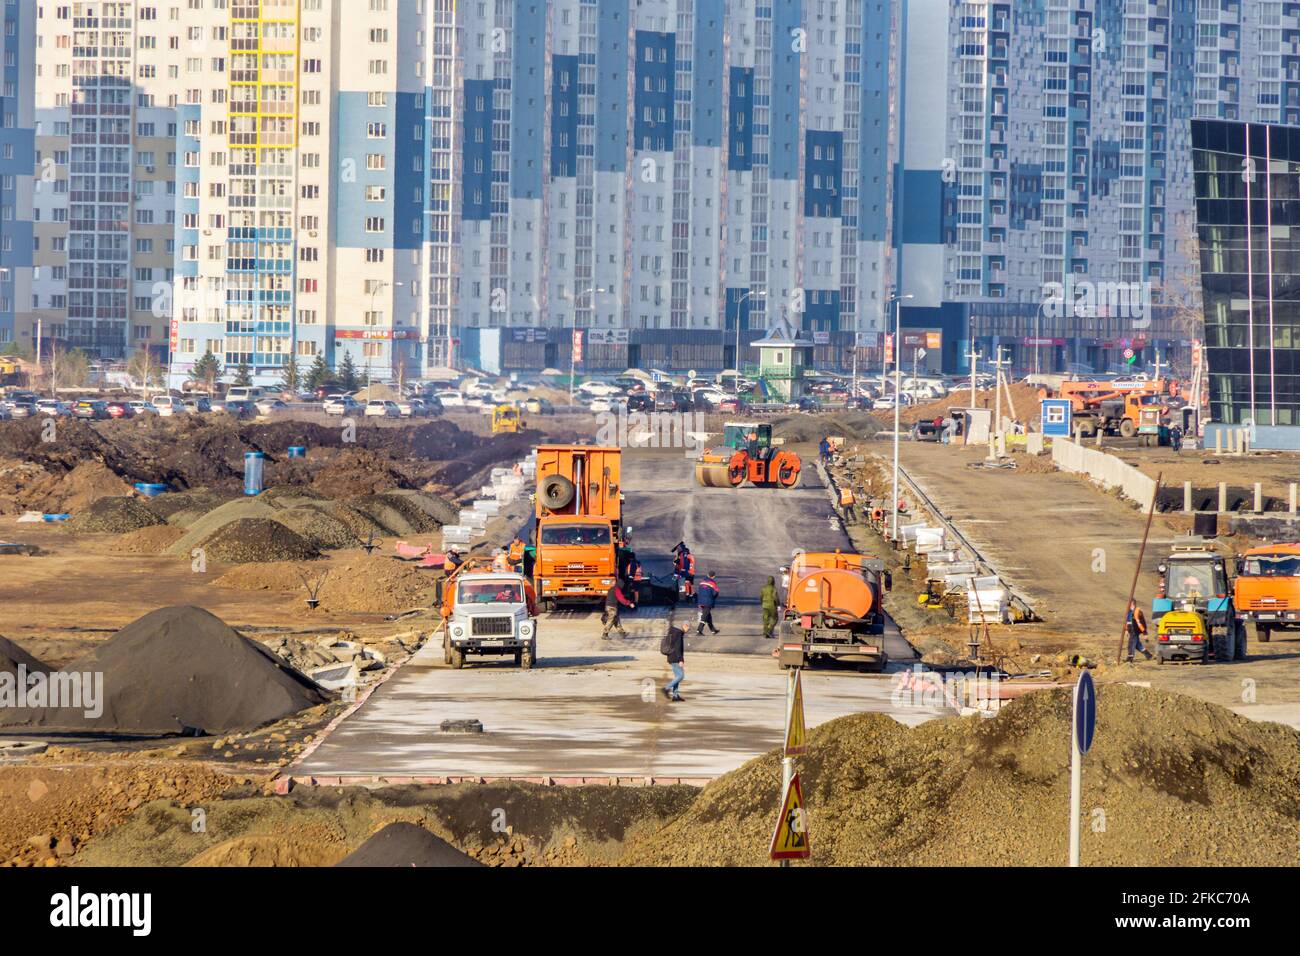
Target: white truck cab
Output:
[(488, 613)]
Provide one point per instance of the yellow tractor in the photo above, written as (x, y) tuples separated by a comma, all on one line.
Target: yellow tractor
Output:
[(507, 420)]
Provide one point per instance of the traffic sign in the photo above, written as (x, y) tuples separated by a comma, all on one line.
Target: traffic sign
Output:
[(1085, 712), (796, 733), (1056, 416), (790, 840)]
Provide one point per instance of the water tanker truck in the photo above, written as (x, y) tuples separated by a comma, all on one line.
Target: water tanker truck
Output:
[(832, 609)]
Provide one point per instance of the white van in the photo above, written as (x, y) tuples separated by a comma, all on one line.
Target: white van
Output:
[(249, 393)]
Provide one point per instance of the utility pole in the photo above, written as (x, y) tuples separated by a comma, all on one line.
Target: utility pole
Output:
[(898, 398), (974, 357), (998, 364)]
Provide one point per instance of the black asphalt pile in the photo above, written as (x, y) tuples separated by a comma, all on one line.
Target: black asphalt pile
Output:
[(116, 515), (406, 844), (397, 513), (257, 539), (178, 670), (320, 529), (11, 655), (1170, 781)]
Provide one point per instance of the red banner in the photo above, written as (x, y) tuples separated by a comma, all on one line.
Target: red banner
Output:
[(577, 347)]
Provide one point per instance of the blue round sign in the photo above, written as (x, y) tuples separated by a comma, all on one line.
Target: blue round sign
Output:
[(1085, 712)]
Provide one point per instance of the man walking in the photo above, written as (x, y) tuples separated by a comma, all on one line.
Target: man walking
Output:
[(610, 617), (1135, 627), (708, 597), (673, 647), (767, 598)]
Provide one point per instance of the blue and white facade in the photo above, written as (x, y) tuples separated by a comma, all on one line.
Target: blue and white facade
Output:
[(17, 163)]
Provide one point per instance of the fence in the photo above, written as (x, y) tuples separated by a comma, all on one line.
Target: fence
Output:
[(1105, 469)]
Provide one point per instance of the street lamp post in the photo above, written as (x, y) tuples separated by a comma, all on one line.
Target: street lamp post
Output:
[(573, 341), (897, 301), (378, 287), (752, 293)]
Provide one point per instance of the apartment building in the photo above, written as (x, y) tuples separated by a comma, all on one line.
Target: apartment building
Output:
[(17, 158)]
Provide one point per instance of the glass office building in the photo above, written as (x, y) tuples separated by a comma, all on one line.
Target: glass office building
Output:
[(1248, 226)]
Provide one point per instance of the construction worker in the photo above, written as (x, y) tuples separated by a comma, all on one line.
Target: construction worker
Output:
[(454, 558), (848, 504), (610, 618), (767, 598), (824, 450), (1135, 627), (684, 568), (708, 597)]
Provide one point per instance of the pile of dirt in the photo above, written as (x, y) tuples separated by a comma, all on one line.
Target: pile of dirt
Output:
[(178, 670), (355, 471), (397, 513), (1170, 781), (320, 529), (201, 527), (185, 507), (152, 540), (117, 515), (257, 539), (11, 655), (801, 428), (406, 844), (1024, 405), (357, 583), (26, 486)]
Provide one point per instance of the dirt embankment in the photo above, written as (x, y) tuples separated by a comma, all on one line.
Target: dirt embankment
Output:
[(1171, 781)]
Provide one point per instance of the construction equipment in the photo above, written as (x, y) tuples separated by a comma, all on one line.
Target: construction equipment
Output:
[(1181, 636), (1267, 589), (579, 511), (489, 612), (748, 454), (1113, 407), (507, 420), (1194, 577), (833, 609), (1153, 427)]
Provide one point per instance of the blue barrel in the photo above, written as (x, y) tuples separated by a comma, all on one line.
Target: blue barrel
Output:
[(254, 464), (150, 490), (297, 451)]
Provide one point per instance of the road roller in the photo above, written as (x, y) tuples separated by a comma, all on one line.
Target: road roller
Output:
[(833, 609), (747, 454)]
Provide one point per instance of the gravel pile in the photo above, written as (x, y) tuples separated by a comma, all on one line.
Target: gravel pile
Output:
[(152, 540), (322, 530), (257, 539), (1170, 781), (11, 655), (406, 844), (115, 516), (180, 670)]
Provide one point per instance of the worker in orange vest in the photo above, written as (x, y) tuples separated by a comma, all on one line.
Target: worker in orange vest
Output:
[(684, 567)]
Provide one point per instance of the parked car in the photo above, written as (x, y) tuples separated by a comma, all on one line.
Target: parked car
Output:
[(731, 405), (271, 406), (539, 406), (168, 406), (198, 406), (120, 410), (379, 408), (52, 406), (640, 402), (326, 392), (237, 407), (450, 398), (412, 407), (90, 409), (341, 405), (599, 389), (143, 408), (805, 403)]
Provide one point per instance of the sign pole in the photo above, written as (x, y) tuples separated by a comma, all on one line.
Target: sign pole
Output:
[(1083, 725), (787, 761), (1076, 794)]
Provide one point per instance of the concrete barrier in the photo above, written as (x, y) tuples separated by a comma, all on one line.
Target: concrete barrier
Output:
[(1106, 470)]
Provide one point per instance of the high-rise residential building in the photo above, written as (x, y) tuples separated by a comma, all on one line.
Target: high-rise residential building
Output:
[(303, 184), (1047, 199), (1247, 196), (661, 172), (107, 82), (17, 160)]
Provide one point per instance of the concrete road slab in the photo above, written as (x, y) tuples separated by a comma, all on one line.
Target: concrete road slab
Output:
[(583, 714)]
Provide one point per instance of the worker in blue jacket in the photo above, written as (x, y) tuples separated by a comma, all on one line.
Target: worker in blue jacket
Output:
[(707, 597)]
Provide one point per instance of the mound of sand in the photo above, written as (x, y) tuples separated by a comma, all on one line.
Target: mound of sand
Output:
[(152, 540), (11, 655), (1024, 404), (359, 583), (26, 485), (1170, 781), (116, 515), (177, 670), (406, 844), (257, 539), (315, 525)]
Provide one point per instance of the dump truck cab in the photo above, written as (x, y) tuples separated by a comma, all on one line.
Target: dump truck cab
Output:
[(1267, 589), (833, 609), (579, 515), (507, 420), (1194, 577), (487, 612)]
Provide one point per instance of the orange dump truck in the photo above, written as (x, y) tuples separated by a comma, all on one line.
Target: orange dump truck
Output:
[(579, 510), (833, 609), (1267, 588)]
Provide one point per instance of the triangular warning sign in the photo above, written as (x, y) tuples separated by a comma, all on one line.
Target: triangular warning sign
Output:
[(790, 840), (796, 733)]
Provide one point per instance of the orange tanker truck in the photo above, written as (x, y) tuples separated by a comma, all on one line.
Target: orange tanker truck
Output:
[(1267, 589), (833, 609), (579, 511)]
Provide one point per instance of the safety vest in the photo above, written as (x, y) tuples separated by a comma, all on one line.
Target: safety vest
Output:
[(846, 497)]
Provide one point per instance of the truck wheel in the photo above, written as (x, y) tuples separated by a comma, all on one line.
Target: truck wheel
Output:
[(519, 658), (528, 658), (1087, 429), (1241, 642), (1223, 646), (1263, 633), (457, 659), (1126, 428), (446, 648)]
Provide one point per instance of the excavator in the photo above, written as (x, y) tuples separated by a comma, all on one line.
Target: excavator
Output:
[(748, 454)]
